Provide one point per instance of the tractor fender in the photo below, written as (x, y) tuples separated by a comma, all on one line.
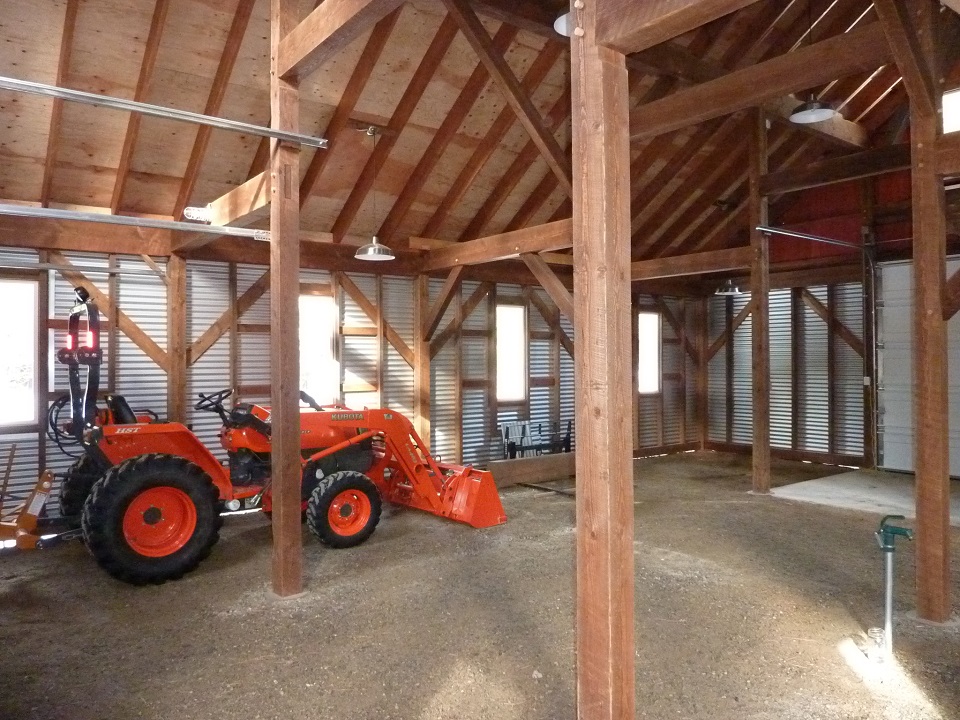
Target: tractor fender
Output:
[(122, 442)]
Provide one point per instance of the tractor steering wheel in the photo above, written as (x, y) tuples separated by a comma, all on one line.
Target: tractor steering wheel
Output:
[(214, 402)]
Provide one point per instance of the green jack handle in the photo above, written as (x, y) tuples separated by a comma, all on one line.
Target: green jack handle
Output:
[(886, 539)]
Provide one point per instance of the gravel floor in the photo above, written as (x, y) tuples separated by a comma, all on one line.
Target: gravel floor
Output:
[(746, 607)]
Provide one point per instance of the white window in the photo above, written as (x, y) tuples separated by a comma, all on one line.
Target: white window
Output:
[(648, 353), (18, 361), (319, 367), (511, 353), (951, 111)]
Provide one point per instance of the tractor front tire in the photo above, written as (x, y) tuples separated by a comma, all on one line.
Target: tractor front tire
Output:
[(75, 487), (151, 519), (344, 509)]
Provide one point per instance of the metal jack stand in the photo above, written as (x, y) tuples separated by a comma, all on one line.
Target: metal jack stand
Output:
[(886, 539)]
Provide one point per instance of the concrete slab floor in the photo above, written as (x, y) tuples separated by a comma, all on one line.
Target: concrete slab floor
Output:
[(746, 608)]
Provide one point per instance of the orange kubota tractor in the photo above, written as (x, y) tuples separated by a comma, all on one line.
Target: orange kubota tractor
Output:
[(154, 512)]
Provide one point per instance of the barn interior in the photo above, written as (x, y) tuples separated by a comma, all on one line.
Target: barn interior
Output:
[(666, 290)]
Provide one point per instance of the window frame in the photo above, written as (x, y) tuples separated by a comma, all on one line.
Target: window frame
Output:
[(659, 354), (40, 347), (526, 353), (315, 290)]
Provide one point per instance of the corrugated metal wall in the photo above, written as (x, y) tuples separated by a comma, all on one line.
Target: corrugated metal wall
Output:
[(815, 409)]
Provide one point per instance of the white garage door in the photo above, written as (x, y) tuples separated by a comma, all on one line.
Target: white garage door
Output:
[(895, 369)]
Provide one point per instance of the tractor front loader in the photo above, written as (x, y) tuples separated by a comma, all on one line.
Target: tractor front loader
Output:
[(153, 514)]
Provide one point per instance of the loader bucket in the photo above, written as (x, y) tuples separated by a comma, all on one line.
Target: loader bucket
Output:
[(470, 496)]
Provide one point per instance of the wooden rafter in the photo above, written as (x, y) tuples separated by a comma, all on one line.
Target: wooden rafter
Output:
[(434, 313), (542, 238), (228, 58), (140, 94), (500, 71), (56, 113), (905, 46), (348, 101), (555, 288), (127, 326), (860, 50), (373, 312), (490, 142), (210, 336), (442, 138), (401, 115), (630, 27), (328, 30)]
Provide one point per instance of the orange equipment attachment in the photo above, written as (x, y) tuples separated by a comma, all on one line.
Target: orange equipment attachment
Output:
[(22, 523), (407, 474)]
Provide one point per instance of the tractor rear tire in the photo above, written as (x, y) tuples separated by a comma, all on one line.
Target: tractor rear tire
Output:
[(75, 487), (344, 509), (152, 518)]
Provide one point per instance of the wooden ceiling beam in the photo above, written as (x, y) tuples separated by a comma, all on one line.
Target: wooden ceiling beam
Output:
[(75, 235), (348, 101), (518, 100), (56, 114), (869, 163), (948, 154), (401, 115), (241, 207), (860, 50), (549, 281), (694, 264), (328, 30), (904, 43), (837, 129), (628, 26), (438, 145), (228, 58), (140, 94), (542, 238), (490, 142)]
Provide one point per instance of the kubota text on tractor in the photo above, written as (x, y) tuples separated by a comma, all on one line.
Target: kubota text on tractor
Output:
[(153, 514)]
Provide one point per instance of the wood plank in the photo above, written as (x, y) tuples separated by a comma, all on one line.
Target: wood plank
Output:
[(127, 326), (550, 315), (56, 114), (348, 102), (760, 299), (75, 235), (228, 58), (327, 31), (435, 313), (551, 283), (539, 469), (629, 27), (868, 163), (177, 339), (500, 71), (435, 149), (834, 326), (861, 50), (421, 361), (139, 95), (398, 121), (905, 45), (372, 312), (552, 236), (216, 331), (948, 154), (694, 264), (601, 255), (287, 565)]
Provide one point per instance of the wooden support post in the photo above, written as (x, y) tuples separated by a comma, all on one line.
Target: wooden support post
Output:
[(601, 265), (760, 291), (284, 314), (421, 360), (234, 334), (177, 339), (932, 456), (702, 311), (113, 335)]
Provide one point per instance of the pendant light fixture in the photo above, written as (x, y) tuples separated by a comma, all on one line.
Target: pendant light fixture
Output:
[(373, 250), (728, 288), (813, 110)]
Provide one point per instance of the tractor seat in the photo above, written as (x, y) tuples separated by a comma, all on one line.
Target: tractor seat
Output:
[(120, 409)]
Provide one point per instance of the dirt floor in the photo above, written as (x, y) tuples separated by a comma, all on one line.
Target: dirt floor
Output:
[(746, 607)]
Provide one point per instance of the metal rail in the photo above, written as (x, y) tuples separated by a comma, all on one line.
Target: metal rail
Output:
[(806, 236), (87, 98), (56, 214)]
